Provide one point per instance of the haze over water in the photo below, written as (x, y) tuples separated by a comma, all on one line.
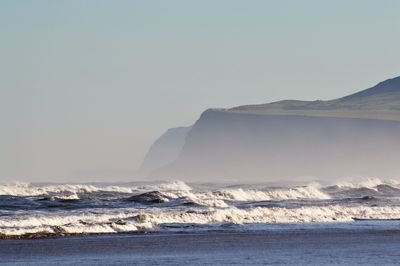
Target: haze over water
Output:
[(86, 87)]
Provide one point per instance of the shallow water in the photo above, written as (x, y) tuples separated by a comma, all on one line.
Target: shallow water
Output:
[(326, 244)]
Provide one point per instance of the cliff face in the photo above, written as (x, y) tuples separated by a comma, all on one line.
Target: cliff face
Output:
[(292, 142), (223, 146), (165, 149)]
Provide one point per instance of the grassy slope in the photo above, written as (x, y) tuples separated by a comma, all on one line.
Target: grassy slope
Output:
[(379, 102), (382, 115)]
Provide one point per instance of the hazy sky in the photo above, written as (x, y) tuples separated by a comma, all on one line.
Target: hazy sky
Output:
[(87, 86)]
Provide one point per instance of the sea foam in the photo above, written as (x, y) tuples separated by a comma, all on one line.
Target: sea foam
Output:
[(87, 208), (129, 220)]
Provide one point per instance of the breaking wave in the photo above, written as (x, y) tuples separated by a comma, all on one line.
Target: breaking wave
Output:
[(308, 192), (40, 210), (130, 220), (27, 189), (370, 183)]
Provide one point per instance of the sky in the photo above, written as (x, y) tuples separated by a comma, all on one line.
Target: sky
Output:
[(87, 86)]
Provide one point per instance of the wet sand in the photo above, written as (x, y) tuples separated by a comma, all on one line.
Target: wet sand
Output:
[(301, 247)]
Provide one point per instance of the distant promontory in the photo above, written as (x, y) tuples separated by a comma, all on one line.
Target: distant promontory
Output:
[(357, 135)]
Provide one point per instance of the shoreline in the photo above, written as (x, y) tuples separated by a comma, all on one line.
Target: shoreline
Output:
[(358, 225), (290, 247)]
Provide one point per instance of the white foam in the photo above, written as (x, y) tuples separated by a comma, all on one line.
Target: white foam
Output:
[(126, 220), (218, 198), (174, 185), (370, 183), (26, 189), (216, 208), (308, 192), (174, 189)]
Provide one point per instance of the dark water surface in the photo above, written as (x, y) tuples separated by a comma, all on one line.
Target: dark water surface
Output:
[(173, 223), (306, 246)]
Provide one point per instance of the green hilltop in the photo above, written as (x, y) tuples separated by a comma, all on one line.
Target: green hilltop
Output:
[(379, 102)]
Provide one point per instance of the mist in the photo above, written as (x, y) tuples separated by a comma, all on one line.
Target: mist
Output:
[(87, 87), (225, 146)]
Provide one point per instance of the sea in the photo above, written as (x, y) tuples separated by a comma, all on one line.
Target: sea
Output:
[(174, 222)]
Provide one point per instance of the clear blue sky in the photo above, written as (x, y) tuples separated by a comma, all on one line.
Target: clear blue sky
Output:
[(86, 86)]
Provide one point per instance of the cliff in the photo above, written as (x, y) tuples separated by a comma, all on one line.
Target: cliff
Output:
[(357, 135), (165, 149)]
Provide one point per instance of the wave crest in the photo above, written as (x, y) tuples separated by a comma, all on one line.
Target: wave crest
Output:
[(308, 192), (27, 189), (369, 183), (131, 220)]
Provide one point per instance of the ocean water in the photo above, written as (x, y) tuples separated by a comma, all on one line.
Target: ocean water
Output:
[(29, 210)]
